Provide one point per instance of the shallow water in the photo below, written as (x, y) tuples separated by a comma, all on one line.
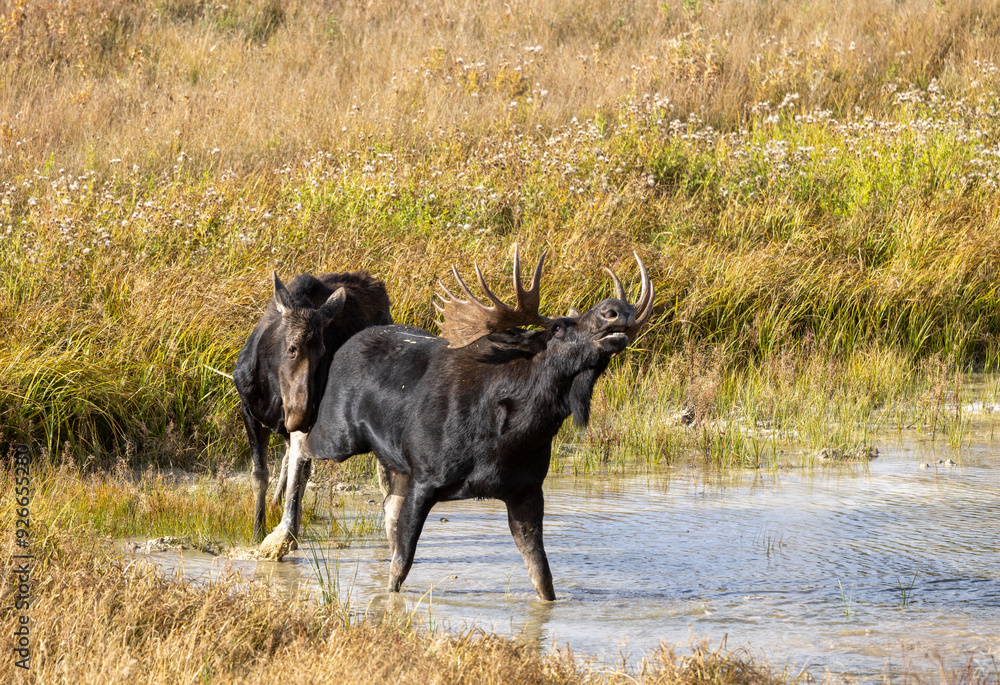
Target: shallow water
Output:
[(885, 568)]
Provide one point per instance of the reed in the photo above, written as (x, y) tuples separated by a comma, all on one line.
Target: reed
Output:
[(696, 406)]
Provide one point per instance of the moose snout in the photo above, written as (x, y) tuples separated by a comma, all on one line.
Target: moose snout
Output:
[(617, 315), (297, 408)]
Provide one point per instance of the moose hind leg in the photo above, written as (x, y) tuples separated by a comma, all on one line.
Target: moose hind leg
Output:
[(258, 436), (412, 515), (279, 489), (525, 518), (396, 488)]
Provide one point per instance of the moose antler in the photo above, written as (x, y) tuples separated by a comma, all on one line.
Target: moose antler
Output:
[(466, 321), (644, 307)]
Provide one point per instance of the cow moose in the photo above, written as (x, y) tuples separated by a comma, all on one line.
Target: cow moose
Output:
[(471, 414), (281, 371)]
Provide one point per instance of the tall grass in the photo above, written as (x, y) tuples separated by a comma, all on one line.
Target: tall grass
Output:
[(208, 510), (813, 180), (696, 405)]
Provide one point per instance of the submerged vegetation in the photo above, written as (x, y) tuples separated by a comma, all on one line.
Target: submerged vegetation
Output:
[(813, 187)]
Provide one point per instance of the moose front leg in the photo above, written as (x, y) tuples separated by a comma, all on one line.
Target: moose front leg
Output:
[(409, 524), (279, 490), (305, 471), (524, 515), (259, 436), (283, 538), (396, 487)]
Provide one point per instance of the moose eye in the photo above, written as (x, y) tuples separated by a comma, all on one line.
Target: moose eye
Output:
[(292, 350)]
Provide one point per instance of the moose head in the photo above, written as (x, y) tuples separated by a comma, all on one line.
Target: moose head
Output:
[(578, 344), (298, 348)]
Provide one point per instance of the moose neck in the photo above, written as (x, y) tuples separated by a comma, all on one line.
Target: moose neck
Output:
[(549, 387)]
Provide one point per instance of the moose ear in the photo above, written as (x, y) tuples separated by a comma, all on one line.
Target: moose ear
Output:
[(573, 313), (333, 305), (282, 298)]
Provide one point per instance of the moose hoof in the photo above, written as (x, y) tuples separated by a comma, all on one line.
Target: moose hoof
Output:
[(277, 544)]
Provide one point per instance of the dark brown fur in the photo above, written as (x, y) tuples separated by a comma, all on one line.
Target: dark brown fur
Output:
[(281, 371)]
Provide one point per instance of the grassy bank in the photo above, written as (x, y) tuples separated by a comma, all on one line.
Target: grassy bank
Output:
[(211, 510), (814, 189)]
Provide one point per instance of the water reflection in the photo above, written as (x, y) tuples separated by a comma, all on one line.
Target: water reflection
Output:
[(859, 570)]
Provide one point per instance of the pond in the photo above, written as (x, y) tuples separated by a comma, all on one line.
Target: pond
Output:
[(862, 570)]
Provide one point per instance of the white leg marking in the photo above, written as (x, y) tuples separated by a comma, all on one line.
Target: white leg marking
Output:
[(280, 541), (393, 504)]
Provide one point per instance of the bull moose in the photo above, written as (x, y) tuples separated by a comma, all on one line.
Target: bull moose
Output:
[(281, 370), (471, 414)]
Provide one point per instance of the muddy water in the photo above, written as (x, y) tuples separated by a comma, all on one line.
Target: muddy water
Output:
[(887, 568)]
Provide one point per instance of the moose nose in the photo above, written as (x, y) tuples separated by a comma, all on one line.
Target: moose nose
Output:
[(617, 315)]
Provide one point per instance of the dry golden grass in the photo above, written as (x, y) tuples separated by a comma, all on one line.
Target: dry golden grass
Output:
[(268, 82)]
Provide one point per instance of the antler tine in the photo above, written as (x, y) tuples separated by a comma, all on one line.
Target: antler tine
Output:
[(528, 300), (489, 293), (536, 278), (619, 290), (465, 289), (447, 292), (465, 321), (644, 307), (518, 290)]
